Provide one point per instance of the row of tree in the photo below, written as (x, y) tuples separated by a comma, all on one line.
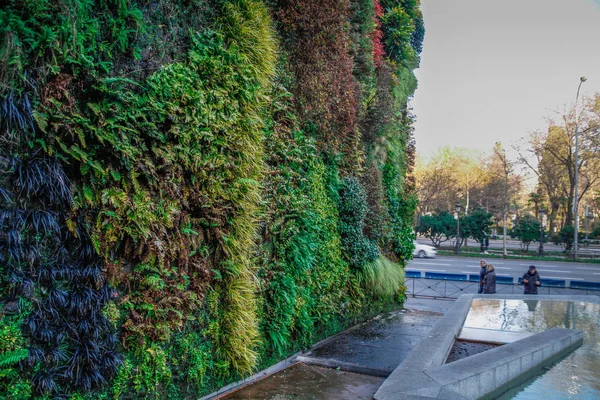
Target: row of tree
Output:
[(442, 226), (496, 183), (474, 179)]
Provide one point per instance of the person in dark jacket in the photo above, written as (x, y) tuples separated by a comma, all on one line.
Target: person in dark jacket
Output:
[(489, 281), (531, 280), (482, 272)]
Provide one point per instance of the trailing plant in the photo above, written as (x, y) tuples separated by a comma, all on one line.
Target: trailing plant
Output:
[(383, 278), (377, 35), (400, 198)]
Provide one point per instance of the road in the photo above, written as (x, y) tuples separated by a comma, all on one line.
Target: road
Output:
[(511, 244), (515, 268)]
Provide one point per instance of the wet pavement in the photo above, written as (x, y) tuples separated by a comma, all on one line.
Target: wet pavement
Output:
[(359, 358), (379, 345), (303, 381), (426, 304)]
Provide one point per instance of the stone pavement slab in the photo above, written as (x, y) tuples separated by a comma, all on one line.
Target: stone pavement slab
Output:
[(380, 345)]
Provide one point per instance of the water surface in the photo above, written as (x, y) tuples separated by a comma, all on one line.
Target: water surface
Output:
[(575, 377)]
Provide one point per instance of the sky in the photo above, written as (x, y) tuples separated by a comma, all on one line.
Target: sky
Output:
[(493, 70)]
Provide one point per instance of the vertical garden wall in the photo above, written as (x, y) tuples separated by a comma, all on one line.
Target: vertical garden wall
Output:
[(192, 190)]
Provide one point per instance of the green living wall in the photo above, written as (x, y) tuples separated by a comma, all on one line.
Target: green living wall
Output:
[(193, 190)]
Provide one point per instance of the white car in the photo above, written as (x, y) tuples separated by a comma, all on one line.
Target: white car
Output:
[(424, 250)]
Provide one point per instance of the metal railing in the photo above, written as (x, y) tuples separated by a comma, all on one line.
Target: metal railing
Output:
[(454, 285)]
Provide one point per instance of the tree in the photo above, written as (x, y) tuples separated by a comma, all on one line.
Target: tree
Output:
[(505, 169), (476, 225), (476, 180), (535, 199), (527, 230), (595, 233), (552, 157), (435, 185), (451, 174), (438, 227)]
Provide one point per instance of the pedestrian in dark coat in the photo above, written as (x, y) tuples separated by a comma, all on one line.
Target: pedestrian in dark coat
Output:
[(531, 280), (489, 281), (482, 272)]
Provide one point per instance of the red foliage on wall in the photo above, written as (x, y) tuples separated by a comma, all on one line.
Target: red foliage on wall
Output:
[(378, 50), (316, 33)]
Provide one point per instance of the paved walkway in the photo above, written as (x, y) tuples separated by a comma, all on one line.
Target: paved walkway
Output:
[(423, 304), (353, 364)]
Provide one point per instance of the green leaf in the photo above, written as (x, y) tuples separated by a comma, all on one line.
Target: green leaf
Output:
[(13, 357)]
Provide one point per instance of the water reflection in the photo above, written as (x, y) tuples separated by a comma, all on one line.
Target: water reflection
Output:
[(575, 377)]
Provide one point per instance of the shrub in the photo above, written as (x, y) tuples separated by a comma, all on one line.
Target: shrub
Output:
[(476, 225), (565, 237), (596, 233), (438, 227), (527, 230)]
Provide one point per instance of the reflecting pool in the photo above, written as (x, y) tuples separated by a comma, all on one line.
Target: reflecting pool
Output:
[(575, 377)]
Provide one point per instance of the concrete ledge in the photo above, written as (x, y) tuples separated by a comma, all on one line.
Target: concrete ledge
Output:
[(485, 375), (422, 374), (545, 297), (409, 377), (344, 366), (482, 335), (489, 374)]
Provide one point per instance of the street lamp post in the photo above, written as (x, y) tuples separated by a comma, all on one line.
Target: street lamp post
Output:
[(542, 213), (507, 169), (504, 232), (458, 239), (576, 196)]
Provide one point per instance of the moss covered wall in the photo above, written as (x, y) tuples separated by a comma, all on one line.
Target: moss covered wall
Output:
[(192, 190)]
